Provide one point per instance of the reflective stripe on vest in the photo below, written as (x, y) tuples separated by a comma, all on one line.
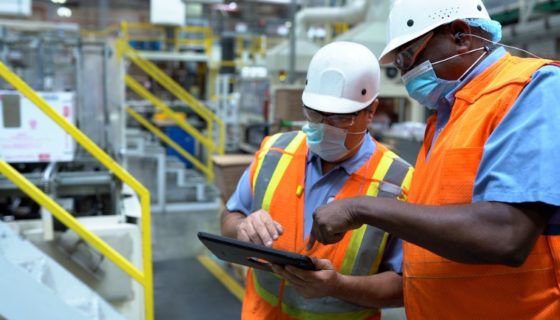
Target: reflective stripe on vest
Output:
[(271, 166), (367, 244)]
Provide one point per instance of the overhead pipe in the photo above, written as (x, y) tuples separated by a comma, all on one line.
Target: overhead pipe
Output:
[(353, 12), (549, 26)]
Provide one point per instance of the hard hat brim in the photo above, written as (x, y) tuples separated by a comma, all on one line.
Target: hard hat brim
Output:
[(330, 104), (388, 54)]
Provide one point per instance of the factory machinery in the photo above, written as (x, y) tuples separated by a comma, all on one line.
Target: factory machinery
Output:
[(74, 239), (75, 226)]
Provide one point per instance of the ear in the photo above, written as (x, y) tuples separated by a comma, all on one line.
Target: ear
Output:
[(461, 33), (372, 110)]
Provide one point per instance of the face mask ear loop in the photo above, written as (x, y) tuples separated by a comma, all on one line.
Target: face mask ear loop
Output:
[(505, 45), (458, 55), (360, 132), (473, 65)]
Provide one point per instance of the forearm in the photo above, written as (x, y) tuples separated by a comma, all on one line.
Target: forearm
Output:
[(473, 233), (379, 290), (230, 222)]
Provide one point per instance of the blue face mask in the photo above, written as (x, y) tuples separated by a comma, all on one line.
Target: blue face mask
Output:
[(424, 86), (328, 142)]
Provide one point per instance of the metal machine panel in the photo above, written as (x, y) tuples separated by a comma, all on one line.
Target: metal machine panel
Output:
[(171, 12), (28, 135), (15, 7)]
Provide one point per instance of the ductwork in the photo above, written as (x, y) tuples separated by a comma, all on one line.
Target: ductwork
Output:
[(548, 26), (353, 12)]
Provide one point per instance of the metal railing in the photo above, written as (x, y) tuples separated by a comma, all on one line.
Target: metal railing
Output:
[(167, 140), (205, 38), (145, 277), (210, 118)]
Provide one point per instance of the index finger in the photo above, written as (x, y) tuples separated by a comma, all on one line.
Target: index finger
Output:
[(311, 241)]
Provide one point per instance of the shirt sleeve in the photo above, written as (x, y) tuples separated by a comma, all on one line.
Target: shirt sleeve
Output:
[(393, 256), (520, 159), (242, 198)]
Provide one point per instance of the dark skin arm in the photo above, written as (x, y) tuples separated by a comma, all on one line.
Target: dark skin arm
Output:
[(383, 289), (480, 233)]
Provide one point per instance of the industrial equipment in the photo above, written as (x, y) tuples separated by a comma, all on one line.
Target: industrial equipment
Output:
[(51, 58)]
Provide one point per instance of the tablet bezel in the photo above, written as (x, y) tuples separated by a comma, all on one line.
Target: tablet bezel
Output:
[(249, 254)]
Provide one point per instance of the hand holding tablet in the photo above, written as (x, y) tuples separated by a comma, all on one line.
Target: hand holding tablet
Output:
[(253, 255)]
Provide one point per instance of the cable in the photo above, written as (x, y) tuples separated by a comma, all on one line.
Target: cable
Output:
[(505, 45)]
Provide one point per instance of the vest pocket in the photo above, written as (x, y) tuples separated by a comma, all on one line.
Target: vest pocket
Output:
[(458, 174)]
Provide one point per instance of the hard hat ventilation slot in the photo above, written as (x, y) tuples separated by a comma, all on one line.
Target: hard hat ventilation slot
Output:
[(479, 7), (364, 91), (410, 23), (444, 13)]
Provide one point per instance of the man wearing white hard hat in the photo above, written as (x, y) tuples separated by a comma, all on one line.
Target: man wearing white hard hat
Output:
[(293, 173), (482, 229)]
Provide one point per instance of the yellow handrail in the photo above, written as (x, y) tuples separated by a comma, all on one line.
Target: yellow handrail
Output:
[(153, 129), (41, 198), (168, 83), (146, 277), (206, 40), (141, 91), (173, 87)]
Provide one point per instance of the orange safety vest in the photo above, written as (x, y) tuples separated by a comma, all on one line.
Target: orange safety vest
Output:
[(437, 288), (277, 179)]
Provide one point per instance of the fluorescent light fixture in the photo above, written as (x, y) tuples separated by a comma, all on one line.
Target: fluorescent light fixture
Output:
[(64, 12), (59, 1)]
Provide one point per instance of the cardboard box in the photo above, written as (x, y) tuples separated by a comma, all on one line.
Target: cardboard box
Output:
[(227, 170), (287, 104)]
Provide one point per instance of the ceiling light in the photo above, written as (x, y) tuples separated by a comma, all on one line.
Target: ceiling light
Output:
[(64, 12), (59, 1)]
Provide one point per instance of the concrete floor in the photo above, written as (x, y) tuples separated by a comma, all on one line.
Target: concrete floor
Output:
[(184, 289)]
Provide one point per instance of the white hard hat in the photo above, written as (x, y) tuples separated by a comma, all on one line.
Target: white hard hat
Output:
[(343, 77), (410, 19)]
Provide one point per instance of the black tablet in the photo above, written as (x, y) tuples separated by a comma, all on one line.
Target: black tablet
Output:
[(253, 255)]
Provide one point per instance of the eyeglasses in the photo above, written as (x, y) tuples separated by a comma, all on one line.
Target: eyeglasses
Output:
[(338, 120), (405, 58)]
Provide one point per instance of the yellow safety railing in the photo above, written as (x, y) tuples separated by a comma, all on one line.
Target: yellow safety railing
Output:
[(340, 28), (173, 87), (142, 32), (157, 132), (145, 277), (187, 127), (211, 119), (251, 44), (205, 37)]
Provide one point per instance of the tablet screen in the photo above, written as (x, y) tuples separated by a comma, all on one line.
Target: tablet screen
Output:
[(253, 255)]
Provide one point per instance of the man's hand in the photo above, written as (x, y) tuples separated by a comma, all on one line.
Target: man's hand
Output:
[(330, 222), (259, 228), (311, 284)]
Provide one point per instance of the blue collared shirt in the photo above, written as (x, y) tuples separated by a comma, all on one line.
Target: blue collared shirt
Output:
[(521, 157), (321, 188)]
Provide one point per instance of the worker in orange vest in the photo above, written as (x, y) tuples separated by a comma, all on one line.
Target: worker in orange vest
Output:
[(482, 232), (333, 157)]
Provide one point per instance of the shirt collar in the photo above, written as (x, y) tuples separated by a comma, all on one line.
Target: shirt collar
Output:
[(494, 56), (357, 161)]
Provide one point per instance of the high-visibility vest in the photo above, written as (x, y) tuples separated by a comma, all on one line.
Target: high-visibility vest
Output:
[(437, 288), (277, 178)]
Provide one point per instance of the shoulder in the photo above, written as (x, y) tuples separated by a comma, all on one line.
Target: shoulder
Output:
[(280, 140), (549, 71)]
